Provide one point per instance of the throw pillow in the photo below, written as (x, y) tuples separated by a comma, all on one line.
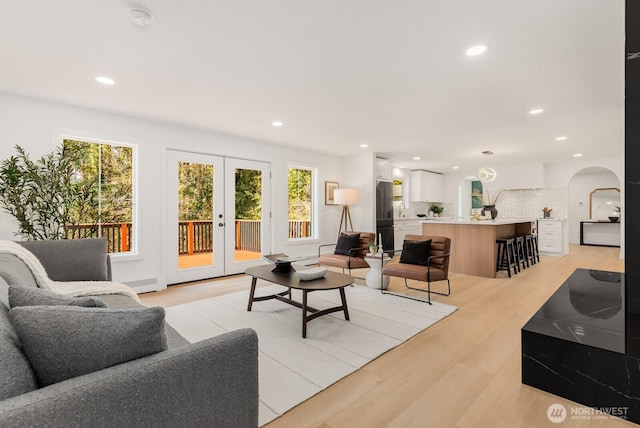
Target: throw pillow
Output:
[(16, 375), (346, 242), (62, 342), (31, 296), (415, 252)]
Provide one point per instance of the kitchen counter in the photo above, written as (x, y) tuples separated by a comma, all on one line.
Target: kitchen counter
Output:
[(473, 242), (464, 220)]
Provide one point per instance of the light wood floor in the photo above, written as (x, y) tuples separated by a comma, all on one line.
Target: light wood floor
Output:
[(462, 372)]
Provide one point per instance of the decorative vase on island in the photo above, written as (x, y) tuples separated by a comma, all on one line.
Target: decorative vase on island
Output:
[(491, 209)]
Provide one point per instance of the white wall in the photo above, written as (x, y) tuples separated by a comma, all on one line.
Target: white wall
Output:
[(358, 172), (36, 125)]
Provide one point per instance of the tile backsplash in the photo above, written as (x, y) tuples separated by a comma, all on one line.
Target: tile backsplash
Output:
[(528, 203)]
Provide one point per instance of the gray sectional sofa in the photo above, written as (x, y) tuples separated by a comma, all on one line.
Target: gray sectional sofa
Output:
[(212, 383)]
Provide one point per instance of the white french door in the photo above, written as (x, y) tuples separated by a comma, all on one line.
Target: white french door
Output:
[(218, 215)]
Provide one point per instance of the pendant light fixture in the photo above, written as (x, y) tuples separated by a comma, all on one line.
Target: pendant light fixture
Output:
[(486, 173)]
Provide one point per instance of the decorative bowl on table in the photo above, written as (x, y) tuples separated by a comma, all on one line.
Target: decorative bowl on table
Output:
[(421, 215), (311, 274), (614, 219)]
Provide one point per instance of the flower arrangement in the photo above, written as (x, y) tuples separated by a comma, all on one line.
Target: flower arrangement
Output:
[(547, 212), (485, 198)]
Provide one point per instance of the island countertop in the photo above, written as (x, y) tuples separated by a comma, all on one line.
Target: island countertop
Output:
[(473, 242), (467, 220)]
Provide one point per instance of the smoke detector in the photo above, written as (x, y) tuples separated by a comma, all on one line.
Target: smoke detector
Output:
[(141, 18)]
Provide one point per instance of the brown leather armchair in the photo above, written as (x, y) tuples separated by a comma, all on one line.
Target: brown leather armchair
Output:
[(355, 259), (437, 268)]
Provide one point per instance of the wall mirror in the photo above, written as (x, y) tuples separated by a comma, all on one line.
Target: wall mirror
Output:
[(603, 203)]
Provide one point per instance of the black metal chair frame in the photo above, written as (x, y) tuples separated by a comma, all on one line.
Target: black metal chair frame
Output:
[(351, 255)]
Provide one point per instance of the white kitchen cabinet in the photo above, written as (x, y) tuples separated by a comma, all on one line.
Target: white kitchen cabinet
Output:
[(401, 228), (426, 186), (553, 237), (383, 169)]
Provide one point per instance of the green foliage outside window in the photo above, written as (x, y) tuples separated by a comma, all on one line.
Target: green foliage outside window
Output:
[(195, 191), (248, 194), (79, 183)]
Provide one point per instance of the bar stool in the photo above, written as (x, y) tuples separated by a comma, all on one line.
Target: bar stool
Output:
[(534, 244), (506, 258), (529, 248), (521, 252)]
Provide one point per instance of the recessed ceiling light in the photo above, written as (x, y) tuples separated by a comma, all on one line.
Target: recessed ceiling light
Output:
[(105, 80), (277, 123), (364, 145), (536, 111), (455, 167), (416, 158), (577, 155), (562, 138), (477, 50)]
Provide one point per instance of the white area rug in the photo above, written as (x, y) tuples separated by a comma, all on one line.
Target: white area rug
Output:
[(292, 369)]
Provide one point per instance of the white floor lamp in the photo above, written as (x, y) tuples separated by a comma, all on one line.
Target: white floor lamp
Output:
[(345, 197)]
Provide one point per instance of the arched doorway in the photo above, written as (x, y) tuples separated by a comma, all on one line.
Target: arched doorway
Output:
[(581, 185)]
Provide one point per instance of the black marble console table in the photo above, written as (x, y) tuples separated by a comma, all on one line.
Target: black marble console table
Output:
[(574, 346)]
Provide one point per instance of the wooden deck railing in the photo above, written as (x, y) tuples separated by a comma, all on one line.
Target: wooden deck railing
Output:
[(119, 236), (193, 236), (299, 229)]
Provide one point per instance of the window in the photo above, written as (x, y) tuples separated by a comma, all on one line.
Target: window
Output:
[(301, 206), (104, 188)]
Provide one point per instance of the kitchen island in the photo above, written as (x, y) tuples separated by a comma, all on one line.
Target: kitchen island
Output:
[(473, 242)]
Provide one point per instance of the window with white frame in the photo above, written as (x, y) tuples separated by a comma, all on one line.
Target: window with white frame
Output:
[(103, 180), (301, 202)]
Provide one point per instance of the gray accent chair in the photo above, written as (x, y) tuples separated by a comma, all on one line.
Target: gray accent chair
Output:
[(211, 383)]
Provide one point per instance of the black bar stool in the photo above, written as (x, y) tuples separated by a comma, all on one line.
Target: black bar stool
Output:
[(506, 258), (529, 248), (534, 244), (521, 252)]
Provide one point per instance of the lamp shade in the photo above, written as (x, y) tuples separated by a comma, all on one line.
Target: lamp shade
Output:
[(345, 196)]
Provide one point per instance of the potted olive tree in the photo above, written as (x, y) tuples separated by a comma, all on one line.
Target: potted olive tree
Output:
[(45, 196)]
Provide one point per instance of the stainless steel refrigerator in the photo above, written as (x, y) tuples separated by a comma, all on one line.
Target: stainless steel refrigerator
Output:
[(384, 215)]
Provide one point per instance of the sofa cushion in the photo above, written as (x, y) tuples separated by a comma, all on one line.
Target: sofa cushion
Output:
[(62, 342), (15, 271), (347, 242), (415, 252), (88, 258), (16, 376), (120, 301), (30, 296)]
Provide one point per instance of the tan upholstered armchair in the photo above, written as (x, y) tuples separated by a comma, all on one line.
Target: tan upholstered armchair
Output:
[(436, 267), (354, 259)]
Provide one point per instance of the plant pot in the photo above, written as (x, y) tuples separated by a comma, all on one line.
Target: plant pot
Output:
[(490, 209)]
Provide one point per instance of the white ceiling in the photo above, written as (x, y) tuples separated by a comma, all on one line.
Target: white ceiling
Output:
[(391, 74)]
